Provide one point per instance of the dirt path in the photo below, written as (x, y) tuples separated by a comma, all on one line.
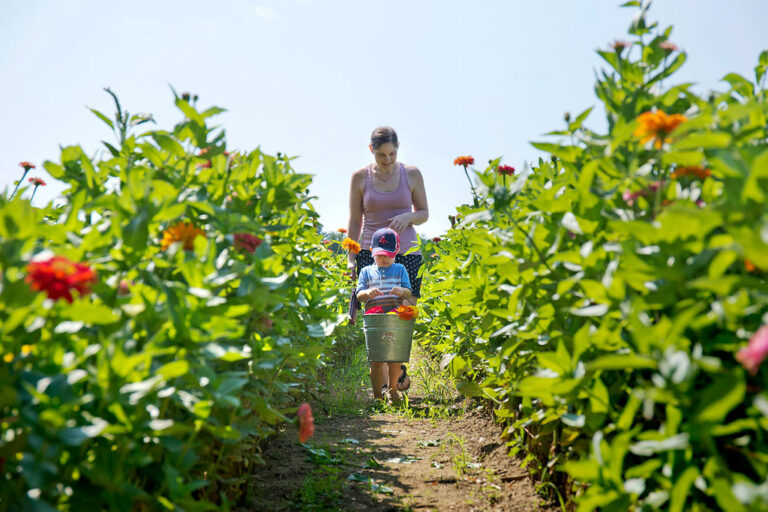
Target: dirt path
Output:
[(414, 458)]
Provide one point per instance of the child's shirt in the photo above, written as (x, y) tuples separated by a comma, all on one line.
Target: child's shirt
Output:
[(383, 278)]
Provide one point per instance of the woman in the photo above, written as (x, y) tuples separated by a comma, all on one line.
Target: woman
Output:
[(387, 193)]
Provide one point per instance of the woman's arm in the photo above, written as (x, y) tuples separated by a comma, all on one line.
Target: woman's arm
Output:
[(355, 223), (420, 212)]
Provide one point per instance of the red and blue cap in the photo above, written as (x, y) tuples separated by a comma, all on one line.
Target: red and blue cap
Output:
[(385, 241)]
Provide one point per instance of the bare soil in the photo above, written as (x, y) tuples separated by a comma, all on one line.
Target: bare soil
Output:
[(390, 459)]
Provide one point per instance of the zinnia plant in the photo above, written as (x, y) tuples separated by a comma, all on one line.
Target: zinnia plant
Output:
[(465, 161), (351, 245), (26, 166), (58, 276), (184, 232)]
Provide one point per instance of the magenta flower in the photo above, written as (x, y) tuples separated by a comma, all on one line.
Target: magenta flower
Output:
[(755, 352)]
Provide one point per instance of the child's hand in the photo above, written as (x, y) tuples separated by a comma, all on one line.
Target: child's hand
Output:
[(373, 292), (401, 292)]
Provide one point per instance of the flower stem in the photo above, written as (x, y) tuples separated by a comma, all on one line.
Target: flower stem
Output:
[(474, 193), (33, 193), (19, 183)]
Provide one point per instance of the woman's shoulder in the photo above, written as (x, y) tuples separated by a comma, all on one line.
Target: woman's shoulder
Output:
[(414, 175)]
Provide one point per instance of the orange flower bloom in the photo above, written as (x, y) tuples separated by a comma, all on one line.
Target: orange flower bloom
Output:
[(26, 165), (657, 126), (464, 160), (58, 276), (306, 422), (185, 232), (351, 245), (407, 312), (694, 170), (749, 266), (341, 230)]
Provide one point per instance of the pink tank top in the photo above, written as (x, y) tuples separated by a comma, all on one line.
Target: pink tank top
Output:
[(380, 207)]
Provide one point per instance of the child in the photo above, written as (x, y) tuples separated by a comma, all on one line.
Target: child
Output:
[(384, 277)]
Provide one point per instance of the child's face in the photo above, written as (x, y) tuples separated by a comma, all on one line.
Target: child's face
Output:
[(382, 260)]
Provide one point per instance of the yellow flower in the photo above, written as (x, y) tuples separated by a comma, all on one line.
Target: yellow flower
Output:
[(657, 126), (184, 232), (351, 245), (8, 358)]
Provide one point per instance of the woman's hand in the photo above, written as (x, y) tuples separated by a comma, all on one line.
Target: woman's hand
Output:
[(400, 222), (351, 266)]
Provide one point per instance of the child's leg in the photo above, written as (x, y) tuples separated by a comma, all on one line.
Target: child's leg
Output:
[(377, 377), (394, 374)]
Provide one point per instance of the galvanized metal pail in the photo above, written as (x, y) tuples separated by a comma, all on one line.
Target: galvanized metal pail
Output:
[(388, 338)]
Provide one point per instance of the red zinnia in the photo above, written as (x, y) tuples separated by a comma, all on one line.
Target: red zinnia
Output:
[(247, 242), (306, 422), (375, 310), (464, 160), (436, 239), (58, 276), (26, 165), (38, 182), (506, 170)]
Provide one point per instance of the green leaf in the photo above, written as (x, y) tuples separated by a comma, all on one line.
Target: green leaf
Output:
[(717, 400), (622, 362), (707, 140), (174, 369), (103, 118), (681, 489), (467, 388), (90, 313)]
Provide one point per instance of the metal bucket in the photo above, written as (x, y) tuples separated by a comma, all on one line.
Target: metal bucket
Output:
[(388, 338)]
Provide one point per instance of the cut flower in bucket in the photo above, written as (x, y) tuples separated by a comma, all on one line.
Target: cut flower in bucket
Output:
[(406, 312)]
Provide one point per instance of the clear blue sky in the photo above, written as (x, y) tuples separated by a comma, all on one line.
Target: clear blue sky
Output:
[(312, 78)]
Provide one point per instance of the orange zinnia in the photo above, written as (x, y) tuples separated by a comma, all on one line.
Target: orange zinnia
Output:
[(58, 276), (464, 160), (341, 230), (184, 232), (695, 170), (749, 266), (351, 245), (407, 312), (657, 126)]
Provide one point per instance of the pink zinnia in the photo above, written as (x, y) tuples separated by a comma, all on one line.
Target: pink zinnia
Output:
[(38, 182), (306, 422), (375, 310), (755, 352), (26, 165)]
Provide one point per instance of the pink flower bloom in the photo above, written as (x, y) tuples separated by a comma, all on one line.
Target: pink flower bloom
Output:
[(38, 182), (247, 242), (755, 352), (375, 310), (306, 422), (668, 46), (506, 170)]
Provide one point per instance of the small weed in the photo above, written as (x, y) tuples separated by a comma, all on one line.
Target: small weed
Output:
[(321, 491)]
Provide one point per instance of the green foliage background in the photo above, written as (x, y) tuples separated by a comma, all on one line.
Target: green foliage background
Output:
[(605, 332), (154, 391)]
